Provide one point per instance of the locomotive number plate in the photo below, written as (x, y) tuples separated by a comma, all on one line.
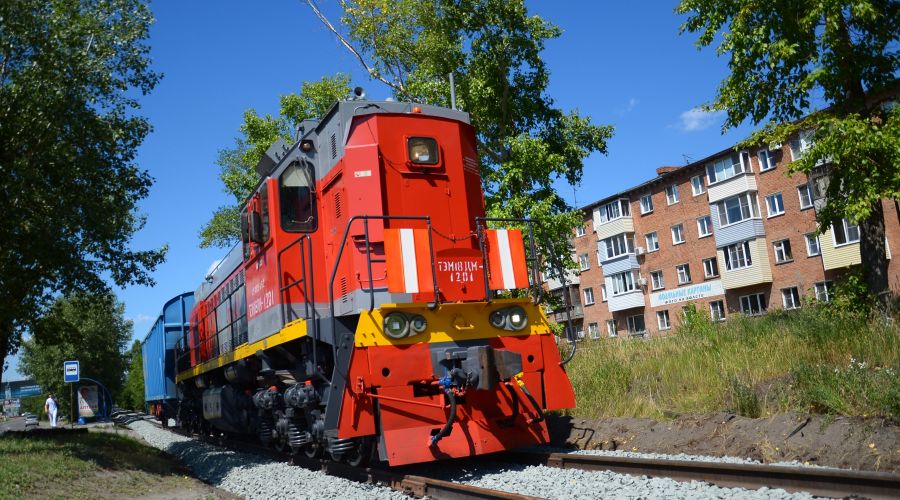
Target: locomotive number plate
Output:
[(460, 274)]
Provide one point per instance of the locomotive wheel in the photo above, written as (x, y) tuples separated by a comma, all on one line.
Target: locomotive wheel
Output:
[(280, 443), (360, 455), (312, 450)]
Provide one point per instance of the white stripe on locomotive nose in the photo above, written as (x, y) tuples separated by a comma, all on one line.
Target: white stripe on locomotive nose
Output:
[(506, 265), (408, 251)]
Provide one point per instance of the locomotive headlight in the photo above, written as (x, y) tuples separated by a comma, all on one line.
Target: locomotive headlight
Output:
[(417, 324), (498, 319), (396, 326), (517, 319)]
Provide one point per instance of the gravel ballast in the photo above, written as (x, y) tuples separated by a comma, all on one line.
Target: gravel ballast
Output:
[(252, 476)]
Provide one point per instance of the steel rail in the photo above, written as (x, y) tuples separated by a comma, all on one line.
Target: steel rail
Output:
[(821, 481)]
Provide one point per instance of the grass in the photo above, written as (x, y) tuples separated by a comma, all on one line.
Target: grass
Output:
[(87, 465), (810, 360)]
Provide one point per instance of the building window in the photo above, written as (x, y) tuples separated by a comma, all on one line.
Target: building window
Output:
[(710, 267), (783, 251), (775, 204), (672, 194), (579, 230), (622, 283), (662, 320), (704, 226), (800, 144), (611, 327), (646, 204), (738, 208), (717, 310), (656, 280), (594, 330), (697, 186), (584, 260), (766, 161), (753, 304), (603, 292), (677, 234), (617, 245), (684, 273), (805, 195), (845, 233), (812, 244), (614, 210), (822, 290), (652, 241), (790, 297), (588, 296), (636, 324), (728, 167), (737, 256), (819, 187)]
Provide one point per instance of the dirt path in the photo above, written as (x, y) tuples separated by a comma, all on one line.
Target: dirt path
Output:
[(855, 443)]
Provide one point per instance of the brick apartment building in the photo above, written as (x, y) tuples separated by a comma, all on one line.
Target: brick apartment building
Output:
[(730, 233)]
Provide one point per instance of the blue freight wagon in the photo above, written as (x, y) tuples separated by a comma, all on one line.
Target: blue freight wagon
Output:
[(158, 351)]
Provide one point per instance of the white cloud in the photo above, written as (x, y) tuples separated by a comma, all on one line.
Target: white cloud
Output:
[(141, 318), (632, 103), (698, 119)]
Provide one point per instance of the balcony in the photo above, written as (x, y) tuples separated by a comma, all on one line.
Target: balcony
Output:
[(572, 279), (614, 227), (576, 312), (837, 257), (626, 300), (735, 185), (620, 264), (734, 233), (759, 272)]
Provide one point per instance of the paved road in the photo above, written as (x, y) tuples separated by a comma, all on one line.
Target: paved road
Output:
[(13, 424)]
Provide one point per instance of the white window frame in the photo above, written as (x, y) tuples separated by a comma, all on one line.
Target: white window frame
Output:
[(812, 237), (584, 261), (684, 273), (603, 292), (594, 330), (662, 320), (698, 187), (738, 256), (806, 202), (617, 246), (801, 144), (657, 280), (783, 252), (611, 328), (778, 208), (748, 206), (588, 296), (647, 204), (672, 194), (710, 267), (761, 304), (766, 161), (823, 288), (728, 167), (790, 298), (717, 310), (632, 324), (707, 225), (845, 226), (580, 230), (677, 241), (623, 283), (614, 210), (652, 248)]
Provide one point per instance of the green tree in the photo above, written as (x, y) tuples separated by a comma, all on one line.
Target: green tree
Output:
[(90, 328), (70, 75), (132, 396), (493, 48), (787, 55), (238, 164)]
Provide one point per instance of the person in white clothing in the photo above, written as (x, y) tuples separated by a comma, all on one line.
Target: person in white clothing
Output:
[(50, 407)]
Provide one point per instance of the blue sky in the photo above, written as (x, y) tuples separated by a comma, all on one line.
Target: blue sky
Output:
[(621, 63)]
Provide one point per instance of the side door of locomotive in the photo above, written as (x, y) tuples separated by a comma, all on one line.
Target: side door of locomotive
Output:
[(260, 264)]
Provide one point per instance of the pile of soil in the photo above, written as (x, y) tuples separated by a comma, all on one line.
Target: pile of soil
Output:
[(846, 442)]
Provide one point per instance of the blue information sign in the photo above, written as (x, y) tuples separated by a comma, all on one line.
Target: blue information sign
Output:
[(71, 371)]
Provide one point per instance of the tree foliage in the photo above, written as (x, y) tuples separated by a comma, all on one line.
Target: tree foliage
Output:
[(132, 396), (493, 47), (90, 328), (70, 76), (788, 56), (237, 165)]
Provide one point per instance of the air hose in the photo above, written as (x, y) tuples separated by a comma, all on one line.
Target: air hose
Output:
[(452, 418)]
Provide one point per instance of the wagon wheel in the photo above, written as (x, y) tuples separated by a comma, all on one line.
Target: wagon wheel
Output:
[(312, 450), (361, 454)]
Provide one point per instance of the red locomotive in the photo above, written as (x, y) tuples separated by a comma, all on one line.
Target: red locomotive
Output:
[(357, 317)]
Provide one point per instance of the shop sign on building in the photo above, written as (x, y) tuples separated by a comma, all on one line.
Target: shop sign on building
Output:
[(687, 293)]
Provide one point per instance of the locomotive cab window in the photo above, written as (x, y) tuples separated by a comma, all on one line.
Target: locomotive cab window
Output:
[(297, 194), (422, 150)]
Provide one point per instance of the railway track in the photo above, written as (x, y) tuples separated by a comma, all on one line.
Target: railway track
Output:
[(828, 482)]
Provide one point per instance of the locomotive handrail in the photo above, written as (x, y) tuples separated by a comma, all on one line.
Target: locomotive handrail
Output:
[(308, 293)]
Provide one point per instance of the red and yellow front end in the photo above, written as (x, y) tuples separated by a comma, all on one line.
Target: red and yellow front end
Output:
[(481, 366)]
